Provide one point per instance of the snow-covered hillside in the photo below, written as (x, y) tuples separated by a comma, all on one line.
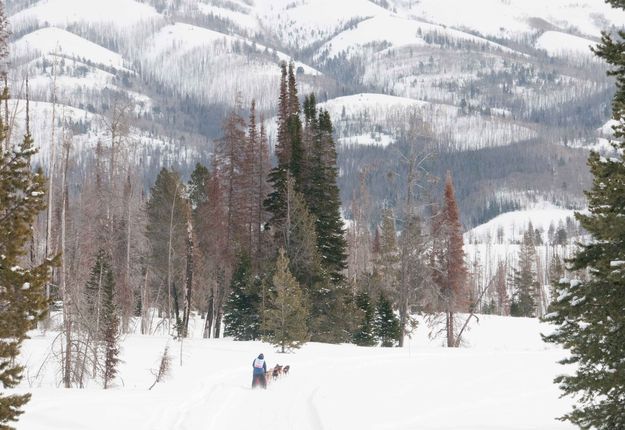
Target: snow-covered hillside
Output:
[(501, 379), (491, 78), (372, 113)]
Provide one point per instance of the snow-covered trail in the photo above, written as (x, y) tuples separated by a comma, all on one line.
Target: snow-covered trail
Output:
[(501, 380), (426, 390)]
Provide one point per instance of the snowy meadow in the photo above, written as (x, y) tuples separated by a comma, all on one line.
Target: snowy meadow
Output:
[(501, 378)]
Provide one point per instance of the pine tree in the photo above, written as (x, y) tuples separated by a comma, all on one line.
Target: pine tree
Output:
[(524, 280), (285, 319), (94, 293), (387, 328), (364, 334), (275, 203), (166, 231), (110, 322), (233, 162), (324, 201), (241, 311), (449, 271), (556, 272), (22, 295), (198, 185), (588, 314)]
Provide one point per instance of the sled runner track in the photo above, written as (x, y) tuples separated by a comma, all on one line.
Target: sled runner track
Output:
[(313, 413)]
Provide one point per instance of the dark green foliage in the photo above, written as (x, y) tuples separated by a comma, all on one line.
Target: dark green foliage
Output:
[(364, 334), (22, 300), (101, 273), (198, 185), (304, 205), (589, 315), (524, 280), (324, 200), (242, 309), (110, 317), (166, 232), (387, 328)]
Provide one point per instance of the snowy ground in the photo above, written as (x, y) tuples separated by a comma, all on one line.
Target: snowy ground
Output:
[(501, 379)]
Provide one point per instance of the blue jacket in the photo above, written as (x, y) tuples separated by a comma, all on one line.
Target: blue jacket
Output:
[(260, 367)]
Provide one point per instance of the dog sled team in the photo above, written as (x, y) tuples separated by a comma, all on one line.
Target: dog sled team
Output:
[(262, 376)]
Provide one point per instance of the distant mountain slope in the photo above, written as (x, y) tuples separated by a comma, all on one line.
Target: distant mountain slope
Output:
[(495, 79)]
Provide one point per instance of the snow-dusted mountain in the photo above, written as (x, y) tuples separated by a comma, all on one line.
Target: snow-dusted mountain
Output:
[(509, 85)]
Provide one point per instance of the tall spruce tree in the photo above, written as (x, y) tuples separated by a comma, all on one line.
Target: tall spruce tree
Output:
[(589, 315), (285, 317), (387, 328), (166, 231), (22, 297), (101, 273), (325, 203), (364, 334), (110, 321), (524, 280), (241, 312)]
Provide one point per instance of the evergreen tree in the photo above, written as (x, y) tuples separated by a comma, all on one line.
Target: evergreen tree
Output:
[(324, 201), (364, 334), (589, 314), (22, 296), (387, 328), (556, 271), (285, 318), (166, 231), (524, 280), (300, 239), (198, 185), (449, 271), (110, 320), (241, 313), (101, 273)]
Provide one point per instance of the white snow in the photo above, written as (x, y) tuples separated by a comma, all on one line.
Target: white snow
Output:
[(515, 223), (370, 112), (371, 139), (51, 40), (560, 44), (501, 379), (396, 31), (515, 17), (121, 13), (242, 20)]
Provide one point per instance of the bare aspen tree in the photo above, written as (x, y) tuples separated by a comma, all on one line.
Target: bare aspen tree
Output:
[(51, 174), (65, 293)]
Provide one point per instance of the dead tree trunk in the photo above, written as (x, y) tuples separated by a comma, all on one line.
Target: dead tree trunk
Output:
[(189, 277)]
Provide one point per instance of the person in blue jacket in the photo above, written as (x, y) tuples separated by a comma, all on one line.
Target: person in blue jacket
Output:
[(260, 368)]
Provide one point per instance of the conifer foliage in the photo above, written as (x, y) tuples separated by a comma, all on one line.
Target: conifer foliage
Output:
[(449, 271), (387, 328), (285, 318), (589, 314), (242, 308), (22, 300), (110, 321), (524, 280), (364, 334)]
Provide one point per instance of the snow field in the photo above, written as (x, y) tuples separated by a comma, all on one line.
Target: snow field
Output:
[(122, 13), (51, 40), (501, 379), (461, 132)]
